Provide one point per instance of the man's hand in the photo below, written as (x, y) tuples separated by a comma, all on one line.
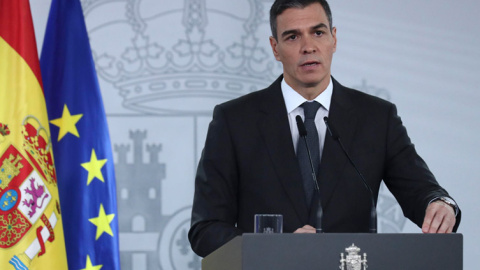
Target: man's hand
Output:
[(306, 229), (439, 218)]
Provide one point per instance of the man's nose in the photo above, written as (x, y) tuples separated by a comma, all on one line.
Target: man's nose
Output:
[(308, 45)]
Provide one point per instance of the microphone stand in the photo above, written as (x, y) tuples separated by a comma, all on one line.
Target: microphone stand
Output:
[(373, 210), (303, 133)]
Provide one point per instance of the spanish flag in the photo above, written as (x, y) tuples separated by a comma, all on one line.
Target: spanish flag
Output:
[(31, 231)]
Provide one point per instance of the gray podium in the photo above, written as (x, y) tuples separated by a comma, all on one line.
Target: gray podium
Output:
[(324, 251)]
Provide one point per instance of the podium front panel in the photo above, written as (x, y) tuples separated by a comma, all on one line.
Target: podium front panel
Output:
[(324, 251)]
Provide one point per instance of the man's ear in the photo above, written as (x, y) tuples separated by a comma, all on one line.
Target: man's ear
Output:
[(274, 43), (334, 35)]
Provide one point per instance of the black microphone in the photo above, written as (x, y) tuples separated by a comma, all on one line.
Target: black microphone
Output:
[(303, 133), (373, 211)]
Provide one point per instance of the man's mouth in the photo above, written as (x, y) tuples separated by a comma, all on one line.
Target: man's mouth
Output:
[(309, 64)]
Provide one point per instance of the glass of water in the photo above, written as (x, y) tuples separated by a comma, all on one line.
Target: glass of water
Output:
[(268, 223)]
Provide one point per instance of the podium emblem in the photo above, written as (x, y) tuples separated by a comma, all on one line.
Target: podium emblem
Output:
[(353, 261)]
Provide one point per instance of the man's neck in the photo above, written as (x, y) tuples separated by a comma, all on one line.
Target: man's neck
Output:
[(293, 99), (310, 92)]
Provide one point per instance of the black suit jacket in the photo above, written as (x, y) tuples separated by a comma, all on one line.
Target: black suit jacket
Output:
[(249, 166)]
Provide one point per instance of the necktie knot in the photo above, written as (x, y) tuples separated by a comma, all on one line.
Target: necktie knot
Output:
[(310, 109)]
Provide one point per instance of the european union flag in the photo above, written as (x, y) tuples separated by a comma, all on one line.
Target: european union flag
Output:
[(81, 143)]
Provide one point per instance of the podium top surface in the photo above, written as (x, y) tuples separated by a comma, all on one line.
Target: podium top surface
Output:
[(325, 251)]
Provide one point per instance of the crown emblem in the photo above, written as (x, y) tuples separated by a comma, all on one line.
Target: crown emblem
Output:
[(38, 147), (353, 261), (185, 72), (353, 250)]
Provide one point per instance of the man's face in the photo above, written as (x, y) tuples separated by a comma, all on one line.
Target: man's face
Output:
[(305, 47)]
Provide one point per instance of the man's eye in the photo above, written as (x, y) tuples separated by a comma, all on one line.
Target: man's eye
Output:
[(319, 33), (292, 37)]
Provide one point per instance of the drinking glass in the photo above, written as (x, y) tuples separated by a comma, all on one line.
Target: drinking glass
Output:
[(268, 223)]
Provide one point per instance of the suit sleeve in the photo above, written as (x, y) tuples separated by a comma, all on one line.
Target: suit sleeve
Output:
[(214, 212), (407, 175)]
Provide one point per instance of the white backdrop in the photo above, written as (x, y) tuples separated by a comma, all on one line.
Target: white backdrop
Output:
[(163, 65)]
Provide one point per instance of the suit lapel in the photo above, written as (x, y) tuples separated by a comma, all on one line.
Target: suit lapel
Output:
[(333, 162), (275, 129)]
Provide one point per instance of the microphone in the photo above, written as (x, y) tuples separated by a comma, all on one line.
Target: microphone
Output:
[(373, 211), (303, 133)]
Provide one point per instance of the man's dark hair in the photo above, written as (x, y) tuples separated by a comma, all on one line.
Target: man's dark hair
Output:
[(279, 6)]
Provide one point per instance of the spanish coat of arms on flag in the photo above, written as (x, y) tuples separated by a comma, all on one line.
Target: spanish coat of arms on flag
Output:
[(31, 233)]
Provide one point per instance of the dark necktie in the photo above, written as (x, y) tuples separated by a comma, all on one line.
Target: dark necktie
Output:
[(310, 110)]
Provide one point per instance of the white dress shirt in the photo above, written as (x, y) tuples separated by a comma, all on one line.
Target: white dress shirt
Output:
[(293, 100)]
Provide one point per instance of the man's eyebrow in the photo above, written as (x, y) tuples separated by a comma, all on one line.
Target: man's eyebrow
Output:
[(320, 25), (289, 32), (296, 31)]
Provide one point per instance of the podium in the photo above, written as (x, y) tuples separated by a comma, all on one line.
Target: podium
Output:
[(329, 251)]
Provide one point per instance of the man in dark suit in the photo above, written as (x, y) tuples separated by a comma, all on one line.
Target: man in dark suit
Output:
[(249, 164)]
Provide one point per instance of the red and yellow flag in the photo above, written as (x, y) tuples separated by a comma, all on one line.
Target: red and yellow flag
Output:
[(31, 232)]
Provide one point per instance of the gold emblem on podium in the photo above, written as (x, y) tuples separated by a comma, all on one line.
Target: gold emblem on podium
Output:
[(353, 261)]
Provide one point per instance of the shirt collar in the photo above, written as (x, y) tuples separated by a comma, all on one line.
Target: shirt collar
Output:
[(293, 99)]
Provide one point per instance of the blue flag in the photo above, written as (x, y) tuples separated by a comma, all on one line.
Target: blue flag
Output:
[(81, 143)]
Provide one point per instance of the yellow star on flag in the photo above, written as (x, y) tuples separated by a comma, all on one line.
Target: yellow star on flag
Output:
[(89, 265), (94, 168), (102, 222), (67, 123)]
